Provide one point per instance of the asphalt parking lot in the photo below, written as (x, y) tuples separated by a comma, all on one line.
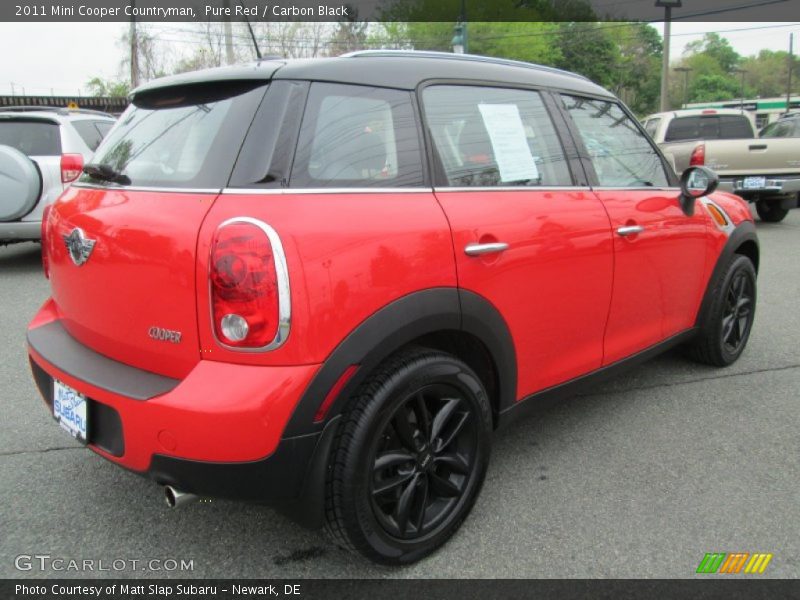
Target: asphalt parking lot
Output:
[(640, 478)]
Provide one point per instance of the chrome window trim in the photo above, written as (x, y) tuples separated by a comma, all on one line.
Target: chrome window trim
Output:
[(141, 188), (365, 190), (512, 188), (648, 188), (284, 292)]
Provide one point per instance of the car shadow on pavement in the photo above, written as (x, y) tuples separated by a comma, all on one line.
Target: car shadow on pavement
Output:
[(21, 258)]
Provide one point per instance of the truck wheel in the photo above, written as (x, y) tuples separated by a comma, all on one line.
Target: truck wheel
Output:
[(725, 328), (771, 212), (409, 458)]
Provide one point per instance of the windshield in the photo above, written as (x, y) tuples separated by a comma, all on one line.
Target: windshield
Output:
[(180, 145)]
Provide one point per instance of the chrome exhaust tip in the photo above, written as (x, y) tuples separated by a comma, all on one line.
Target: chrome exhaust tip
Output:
[(176, 498)]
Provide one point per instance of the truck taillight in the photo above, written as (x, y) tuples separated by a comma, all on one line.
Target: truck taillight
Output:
[(43, 236), (698, 157), (71, 167), (249, 285)]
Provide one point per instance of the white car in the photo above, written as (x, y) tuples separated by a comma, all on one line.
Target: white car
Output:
[(42, 150)]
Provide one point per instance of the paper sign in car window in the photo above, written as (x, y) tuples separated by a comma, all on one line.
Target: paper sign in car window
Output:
[(507, 134)]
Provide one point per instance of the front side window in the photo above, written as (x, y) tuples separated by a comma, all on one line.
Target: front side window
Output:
[(782, 129), (651, 127), (487, 136), (621, 154), (357, 136)]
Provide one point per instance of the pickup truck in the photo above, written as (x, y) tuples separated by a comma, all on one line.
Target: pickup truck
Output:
[(761, 170)]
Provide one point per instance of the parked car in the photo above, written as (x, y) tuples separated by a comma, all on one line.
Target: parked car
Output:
[(788, 126), (767, 173), (42, 150), (322, 284)]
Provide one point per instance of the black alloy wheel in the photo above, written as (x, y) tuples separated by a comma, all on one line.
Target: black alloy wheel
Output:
[(727, 321), (424, 458), (409, 458), (738, 313)]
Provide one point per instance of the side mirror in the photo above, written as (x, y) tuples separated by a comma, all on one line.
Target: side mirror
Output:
[(696, 182)]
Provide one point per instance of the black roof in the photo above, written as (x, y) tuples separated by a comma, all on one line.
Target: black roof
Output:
[(393, 69)]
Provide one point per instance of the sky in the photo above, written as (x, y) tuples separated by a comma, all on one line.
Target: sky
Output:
[(62, 57)]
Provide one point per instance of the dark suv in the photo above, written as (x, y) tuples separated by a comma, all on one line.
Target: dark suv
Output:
[(321, 284)]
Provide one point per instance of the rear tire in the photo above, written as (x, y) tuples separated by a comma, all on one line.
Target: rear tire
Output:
[(409, 458), (726, 326), (771, 212)]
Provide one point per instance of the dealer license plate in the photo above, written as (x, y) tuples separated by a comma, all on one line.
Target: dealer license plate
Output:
[(69, 409), (754, 183)]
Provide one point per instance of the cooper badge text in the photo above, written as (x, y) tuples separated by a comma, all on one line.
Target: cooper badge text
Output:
[(164, 335), (79, 246)]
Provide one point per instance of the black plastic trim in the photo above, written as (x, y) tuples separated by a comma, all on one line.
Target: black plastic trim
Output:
[(744, 232), (542, 400), (291, 479), (52, 342), (404, 320)]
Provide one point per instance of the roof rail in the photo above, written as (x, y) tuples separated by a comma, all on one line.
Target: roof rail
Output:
[(463, 57), (61, 110)]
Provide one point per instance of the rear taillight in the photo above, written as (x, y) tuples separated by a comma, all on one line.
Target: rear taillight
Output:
[(43, 234), (249, 285), (71, 167), (698, 157)]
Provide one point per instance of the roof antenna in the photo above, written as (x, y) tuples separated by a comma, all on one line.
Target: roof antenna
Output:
[(250, 29)]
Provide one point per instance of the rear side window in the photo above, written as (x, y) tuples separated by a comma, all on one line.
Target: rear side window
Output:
[(622, 156), (357, 136), (92, 132), (487, 136), (181, 138), (31, 137), (709, 127)]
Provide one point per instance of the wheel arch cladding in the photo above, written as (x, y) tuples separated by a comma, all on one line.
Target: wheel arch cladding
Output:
[(743, 241), (450, 319)]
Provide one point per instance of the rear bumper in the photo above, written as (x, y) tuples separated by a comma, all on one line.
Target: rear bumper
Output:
[(20, 230), (216, 433), (773, 186)]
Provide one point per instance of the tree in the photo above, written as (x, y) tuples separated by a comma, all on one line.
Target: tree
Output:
[(639, 67), (588, 49), (350, 33), (718, 48), (98, 86)]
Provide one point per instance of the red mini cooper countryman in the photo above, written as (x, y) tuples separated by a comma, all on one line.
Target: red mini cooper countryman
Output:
[(322, 284)]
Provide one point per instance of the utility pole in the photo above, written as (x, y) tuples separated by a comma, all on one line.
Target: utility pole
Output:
[(229, 57), (667, 5), (459, 41), (741, 72), (134, 49), (791, 68), (13, 91), (685, 71)]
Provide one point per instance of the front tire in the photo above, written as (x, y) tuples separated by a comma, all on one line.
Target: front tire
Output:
[(726, 326), (771, 212), (409, 459)]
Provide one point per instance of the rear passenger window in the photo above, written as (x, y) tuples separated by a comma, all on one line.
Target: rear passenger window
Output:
[(357, 136), (489, 136), (621, 154)]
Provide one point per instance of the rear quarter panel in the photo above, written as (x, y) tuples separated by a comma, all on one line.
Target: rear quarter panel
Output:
[(348, 255)]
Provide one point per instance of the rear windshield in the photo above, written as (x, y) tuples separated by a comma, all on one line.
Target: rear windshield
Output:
[(181, 138), (709, 127), (31, 137)]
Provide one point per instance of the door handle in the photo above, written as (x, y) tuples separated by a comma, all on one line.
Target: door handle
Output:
[(481, 249), (629, 230)]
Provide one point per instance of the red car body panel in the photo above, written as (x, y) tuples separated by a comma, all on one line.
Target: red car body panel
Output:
[(658, 274), (218, 412), (552, 285), (141, 274), (347, 258)]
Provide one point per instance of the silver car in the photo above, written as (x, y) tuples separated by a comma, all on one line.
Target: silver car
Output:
[(42, 150)]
